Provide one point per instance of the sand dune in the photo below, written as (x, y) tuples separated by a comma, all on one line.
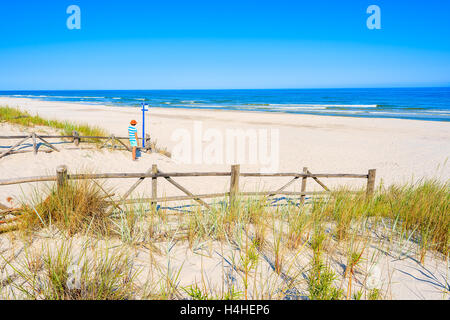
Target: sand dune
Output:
[(400, 150)]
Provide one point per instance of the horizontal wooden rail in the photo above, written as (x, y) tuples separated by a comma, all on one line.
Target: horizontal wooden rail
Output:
[(85, 176), (175, 198), (306, 175), (286, 193), (76, 140), (146, 175), (62, 176), (6, 182), (218, 195)]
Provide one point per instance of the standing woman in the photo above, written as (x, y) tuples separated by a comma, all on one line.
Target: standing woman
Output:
[(132, 134)]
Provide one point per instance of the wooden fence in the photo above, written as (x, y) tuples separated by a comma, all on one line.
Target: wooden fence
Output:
[(62, 176), (76, 140)]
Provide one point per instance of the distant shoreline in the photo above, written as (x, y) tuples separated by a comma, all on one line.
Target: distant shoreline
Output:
[(428, 103), (220, 110)]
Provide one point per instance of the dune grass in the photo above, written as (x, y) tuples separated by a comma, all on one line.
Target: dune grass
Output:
[(299, 242), (61, 273), (23, 118), (422, 211), (80, 205), (422, 208)]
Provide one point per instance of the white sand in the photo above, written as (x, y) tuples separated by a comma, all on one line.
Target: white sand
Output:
[(212, 267), (400, 150)]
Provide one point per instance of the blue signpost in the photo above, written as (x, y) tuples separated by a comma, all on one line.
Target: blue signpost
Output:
[(143, 123)]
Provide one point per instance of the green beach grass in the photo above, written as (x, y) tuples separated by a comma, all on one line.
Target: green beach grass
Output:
[(23, 118), (342, 224)]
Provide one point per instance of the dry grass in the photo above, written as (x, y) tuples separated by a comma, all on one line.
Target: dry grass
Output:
[(60, 274), (23, 118), (299, 243), (161, 150), (422, 208), (80, 205)]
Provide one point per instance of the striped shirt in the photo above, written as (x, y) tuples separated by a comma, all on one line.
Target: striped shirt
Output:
[(131, 133)]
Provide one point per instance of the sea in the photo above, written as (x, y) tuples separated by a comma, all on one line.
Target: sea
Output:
[(431, 103)]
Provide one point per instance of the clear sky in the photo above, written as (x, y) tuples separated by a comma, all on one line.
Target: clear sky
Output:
[(131, 44)]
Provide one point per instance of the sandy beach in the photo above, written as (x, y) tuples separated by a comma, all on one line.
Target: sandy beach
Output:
[(400, 150), (223, 156)]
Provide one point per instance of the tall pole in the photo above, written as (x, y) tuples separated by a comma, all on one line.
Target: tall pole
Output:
[(143, 123)]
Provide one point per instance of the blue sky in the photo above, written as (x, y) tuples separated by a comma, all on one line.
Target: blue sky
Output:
[(223, 44)]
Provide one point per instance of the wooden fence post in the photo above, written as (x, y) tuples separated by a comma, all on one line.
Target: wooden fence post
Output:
[(303, 189), (154, 184), (76, 138), (371, 182), (234, 182), (148, 145), (61, 176), (33, 137)]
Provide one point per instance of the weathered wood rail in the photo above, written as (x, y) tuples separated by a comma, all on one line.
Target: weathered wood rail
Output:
[(76, 140), (62, 176)]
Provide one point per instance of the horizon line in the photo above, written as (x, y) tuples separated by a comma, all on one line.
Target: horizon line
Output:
[(204, 89)]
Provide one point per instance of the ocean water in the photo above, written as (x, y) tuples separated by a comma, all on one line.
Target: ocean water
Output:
[(406, 103)]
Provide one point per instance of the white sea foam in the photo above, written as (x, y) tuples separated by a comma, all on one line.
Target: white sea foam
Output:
[(312, 108), (189, 101), (397, 113), (325, 105), (57, 97), (204, 106), (438, 111)]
